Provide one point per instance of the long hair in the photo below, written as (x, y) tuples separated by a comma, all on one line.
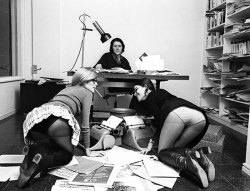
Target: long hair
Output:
[(112, 43), (82, 76), (145, 82)]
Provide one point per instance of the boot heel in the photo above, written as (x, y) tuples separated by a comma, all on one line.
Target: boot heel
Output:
[(25, 150), (24, 164)]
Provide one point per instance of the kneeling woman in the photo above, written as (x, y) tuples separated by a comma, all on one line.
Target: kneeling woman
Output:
[(180, 125), (53, 130)]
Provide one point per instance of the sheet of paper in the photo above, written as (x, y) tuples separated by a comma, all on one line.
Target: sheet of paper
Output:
[(63, 173), (112, 122), (103, 176), (85, 165), (133, 120), (64, 185), (9, 173), (74, 161), (121, 156), (139, 183), (11, 159), (156, 168), (167, 182)]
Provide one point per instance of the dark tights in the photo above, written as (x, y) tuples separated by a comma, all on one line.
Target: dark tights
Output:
[(53, 132)]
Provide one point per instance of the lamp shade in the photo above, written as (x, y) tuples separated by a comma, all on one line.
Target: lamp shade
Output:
[(104, 36)]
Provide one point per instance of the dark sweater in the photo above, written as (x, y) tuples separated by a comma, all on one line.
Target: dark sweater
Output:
[(108, 61), (160, 103)]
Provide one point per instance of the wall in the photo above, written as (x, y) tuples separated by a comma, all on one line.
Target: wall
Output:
[(172, 29), (10, 86)]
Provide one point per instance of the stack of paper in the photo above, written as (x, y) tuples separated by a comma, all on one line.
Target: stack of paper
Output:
[(150, 62)]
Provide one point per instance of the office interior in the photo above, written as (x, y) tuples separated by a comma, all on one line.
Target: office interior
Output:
[(50, 35)]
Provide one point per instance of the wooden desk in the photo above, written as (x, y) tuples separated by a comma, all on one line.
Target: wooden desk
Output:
[(133, 76)]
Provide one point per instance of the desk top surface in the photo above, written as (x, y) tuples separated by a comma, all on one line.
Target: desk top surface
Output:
[(161, 77)]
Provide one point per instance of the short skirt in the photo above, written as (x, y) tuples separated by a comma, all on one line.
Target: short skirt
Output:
[(41, 113)]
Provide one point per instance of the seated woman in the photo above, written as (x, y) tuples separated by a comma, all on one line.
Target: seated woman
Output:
[(180, 125), (53, 130), (114, 60)]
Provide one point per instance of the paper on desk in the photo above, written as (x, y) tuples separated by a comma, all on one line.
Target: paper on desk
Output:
[(150, 62), (9, 173), (156, 168), (11, 159)]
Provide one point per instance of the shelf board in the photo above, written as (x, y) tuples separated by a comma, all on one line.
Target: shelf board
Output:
[(215, 74), (215, 48), (236, 101), (233, 56), (228, 123), (217, 28), (244, 13), (219, 7), (241, 34)]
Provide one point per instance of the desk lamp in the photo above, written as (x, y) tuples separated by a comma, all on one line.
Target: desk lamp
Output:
[(104, 38)]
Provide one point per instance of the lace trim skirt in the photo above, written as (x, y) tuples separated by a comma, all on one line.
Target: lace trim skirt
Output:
[(38, 114)]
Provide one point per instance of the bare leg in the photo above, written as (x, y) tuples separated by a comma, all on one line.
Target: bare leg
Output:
[(60, 133), (171, 131), (189, 133)]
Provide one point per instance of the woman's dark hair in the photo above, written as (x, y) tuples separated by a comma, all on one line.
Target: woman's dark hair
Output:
[(116, 40), (145, 82)]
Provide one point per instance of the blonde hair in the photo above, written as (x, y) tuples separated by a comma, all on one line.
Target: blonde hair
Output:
[(83, 76)]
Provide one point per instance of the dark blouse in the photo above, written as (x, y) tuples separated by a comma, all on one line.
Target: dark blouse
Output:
[(108, 61)]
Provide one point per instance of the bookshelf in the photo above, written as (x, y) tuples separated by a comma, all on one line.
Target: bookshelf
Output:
[(226, 67)]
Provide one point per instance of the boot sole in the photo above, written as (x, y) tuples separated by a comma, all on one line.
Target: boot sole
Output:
[(200, 173), (30, 173), (210, 169)]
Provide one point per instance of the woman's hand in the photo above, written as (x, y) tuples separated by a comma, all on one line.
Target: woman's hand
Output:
[(94, 153), (148, 148)]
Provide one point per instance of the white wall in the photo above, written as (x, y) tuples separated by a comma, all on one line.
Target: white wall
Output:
[(172, 29)]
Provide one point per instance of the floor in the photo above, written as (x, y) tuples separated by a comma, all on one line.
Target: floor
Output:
[(229, 175)]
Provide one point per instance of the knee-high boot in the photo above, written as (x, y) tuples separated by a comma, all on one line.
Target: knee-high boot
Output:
[(44, 159), (185, 162), (203, 160)]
